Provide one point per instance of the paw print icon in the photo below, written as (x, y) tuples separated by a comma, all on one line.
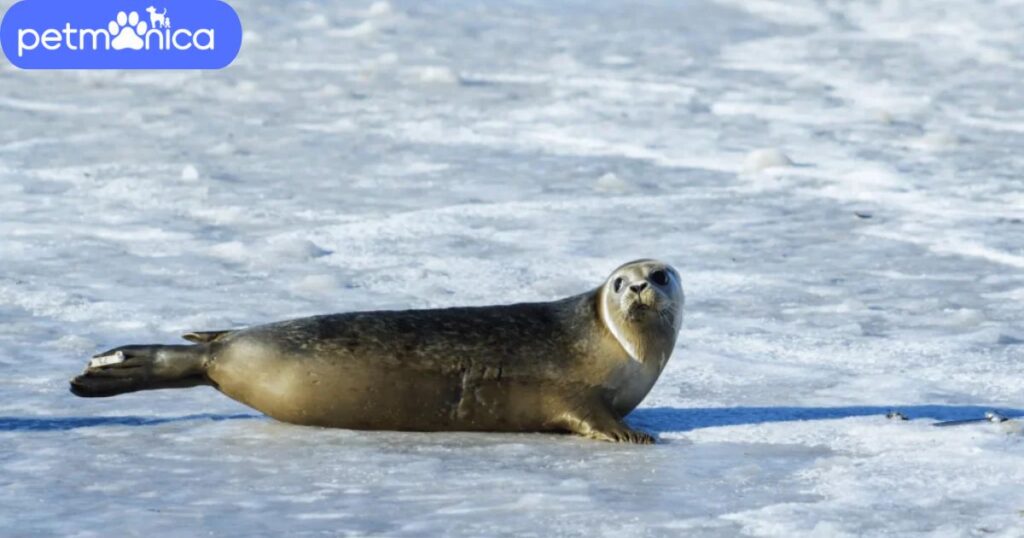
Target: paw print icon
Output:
[(127, 31)]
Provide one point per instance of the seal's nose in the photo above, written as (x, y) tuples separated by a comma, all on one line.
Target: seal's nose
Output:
[(638, 287)]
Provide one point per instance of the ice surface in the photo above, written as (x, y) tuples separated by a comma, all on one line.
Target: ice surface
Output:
[(762, 159), (396, 155)]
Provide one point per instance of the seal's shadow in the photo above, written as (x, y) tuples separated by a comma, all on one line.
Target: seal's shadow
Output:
[(675, 419), (50, 424), (654, 419)]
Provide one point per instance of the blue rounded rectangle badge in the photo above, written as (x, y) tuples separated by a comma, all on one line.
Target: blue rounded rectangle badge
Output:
[(121, 34)]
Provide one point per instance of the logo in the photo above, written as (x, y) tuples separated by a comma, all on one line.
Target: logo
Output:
[(120, 34)]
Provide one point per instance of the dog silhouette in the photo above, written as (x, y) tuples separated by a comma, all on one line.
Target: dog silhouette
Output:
[(158, 20)]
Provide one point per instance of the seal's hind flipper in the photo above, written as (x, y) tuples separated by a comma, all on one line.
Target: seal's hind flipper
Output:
[(133, 368), (204, 337)]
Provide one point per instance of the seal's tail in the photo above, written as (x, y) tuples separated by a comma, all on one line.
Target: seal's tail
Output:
[(134, 368)]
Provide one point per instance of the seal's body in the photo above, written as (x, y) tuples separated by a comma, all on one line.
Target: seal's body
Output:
[(578, 364)]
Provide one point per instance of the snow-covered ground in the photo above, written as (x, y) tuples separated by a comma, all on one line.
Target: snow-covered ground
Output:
[(839, 183)]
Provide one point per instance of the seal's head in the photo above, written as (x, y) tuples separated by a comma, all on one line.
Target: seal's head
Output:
[(642, 306)]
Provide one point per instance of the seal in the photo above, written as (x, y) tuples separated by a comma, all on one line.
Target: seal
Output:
[(578, 364)]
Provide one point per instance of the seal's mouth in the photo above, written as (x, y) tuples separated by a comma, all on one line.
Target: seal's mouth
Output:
[(647, 310), (638, 310)]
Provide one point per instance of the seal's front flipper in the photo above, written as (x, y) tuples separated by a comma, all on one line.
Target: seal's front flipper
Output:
[(620, 433), (600, 424), (134, 368)]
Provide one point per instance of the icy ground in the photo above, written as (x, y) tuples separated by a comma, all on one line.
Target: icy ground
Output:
[(400, 155)]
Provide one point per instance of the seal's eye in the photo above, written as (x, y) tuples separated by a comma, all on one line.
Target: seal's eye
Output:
[(617, 285), (660, 277)]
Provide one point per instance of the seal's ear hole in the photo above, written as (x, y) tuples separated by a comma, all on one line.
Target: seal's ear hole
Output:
[(617, 285), (660, 277)]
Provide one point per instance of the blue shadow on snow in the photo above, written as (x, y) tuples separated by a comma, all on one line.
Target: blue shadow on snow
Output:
[(50, 424), (675, 419), (657, 419)]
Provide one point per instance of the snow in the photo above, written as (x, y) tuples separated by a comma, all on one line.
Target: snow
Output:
[(189, 173), (406, 155), (762, 159)]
